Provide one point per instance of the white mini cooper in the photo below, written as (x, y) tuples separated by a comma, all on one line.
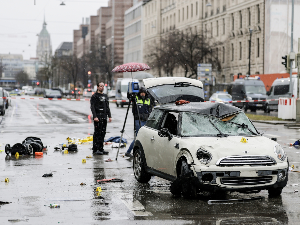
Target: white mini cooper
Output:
[(201, 146)]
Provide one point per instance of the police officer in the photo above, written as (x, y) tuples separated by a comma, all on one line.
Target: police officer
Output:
[(100, 110), (145, 107)]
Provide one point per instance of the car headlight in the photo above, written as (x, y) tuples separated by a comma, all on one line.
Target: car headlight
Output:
[(204, 156), (279, 152), (249, 98)]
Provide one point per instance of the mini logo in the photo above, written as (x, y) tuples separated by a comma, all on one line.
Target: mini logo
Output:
[(246, 152)]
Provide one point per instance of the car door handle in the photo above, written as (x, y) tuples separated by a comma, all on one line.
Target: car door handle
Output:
[(152, 139)]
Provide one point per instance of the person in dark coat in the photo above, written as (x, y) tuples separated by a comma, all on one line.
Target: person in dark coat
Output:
[(100, 110), (144, 106)]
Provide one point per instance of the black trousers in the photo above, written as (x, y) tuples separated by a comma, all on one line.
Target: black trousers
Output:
[(99, 134)]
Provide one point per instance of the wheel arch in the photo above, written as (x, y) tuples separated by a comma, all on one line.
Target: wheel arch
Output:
[(185, 155)]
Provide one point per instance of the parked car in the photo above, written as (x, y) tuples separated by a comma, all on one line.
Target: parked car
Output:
[(280, 89), (48, 93), (29, 91), (38, 91), (76, 91), (15, 93), (111, 93), (203, 146), (221, 97), (8, 99), (2, 102), (249, 89), (88, 92)]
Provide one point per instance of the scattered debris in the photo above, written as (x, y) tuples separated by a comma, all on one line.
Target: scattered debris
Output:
[(54, 206), (47, 175), (29, 146), (17, 220), (116, 145), (82, 183), (38, 153), (116, 139), (66, 152), (110, 180), (72, 148), (295, 191), (109, 160), (89, 156)]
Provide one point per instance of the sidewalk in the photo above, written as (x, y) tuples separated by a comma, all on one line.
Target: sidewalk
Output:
[(287, 124)]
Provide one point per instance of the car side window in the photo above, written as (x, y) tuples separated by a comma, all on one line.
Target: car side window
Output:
[(154, 119), (171, 122)]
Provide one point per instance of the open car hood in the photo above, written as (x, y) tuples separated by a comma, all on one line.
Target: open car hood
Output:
[(170, 89)]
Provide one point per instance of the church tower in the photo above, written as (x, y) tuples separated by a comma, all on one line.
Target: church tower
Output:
[(44, 48)]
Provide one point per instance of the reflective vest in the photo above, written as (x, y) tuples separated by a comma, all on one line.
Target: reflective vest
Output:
[(144, 108)]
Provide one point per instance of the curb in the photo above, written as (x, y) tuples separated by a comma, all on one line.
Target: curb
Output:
[(274, 122)]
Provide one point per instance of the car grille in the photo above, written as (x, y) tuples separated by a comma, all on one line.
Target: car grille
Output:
[(246, 160), (240, 181)]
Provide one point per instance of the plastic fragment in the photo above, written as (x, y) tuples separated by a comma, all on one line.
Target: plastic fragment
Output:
[(47, 175)]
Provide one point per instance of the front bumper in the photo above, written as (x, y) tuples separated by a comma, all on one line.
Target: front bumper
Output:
[(233, 179)]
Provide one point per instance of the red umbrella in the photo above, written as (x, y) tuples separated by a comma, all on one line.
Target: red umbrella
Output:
[(131, 67)]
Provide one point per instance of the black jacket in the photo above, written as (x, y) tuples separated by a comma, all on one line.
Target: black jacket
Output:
[(100, 106)]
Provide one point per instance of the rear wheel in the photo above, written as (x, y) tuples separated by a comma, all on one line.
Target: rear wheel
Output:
[(267, 109), (117, 104), (139, 167), (7, 149)]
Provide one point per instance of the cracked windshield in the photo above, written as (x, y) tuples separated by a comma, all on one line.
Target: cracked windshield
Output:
[(123, 111)]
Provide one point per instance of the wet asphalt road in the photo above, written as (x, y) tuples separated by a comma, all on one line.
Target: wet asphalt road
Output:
[(29, 194)]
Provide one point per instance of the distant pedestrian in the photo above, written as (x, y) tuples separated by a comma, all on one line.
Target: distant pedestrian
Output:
[(100, 110), (145, 107)]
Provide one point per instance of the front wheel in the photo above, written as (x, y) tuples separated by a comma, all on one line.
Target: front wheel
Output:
[(139, 167), (275, 192), (188, 189)]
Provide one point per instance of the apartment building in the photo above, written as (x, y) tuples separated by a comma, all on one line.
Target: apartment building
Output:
[(79, 46), (228, 22)]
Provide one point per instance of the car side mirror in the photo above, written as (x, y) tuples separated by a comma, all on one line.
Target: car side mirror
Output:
[(268, 92), (164, 132)]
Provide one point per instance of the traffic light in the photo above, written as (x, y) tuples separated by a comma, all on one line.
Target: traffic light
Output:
[(89, 72), (89, 85), (285, 61), (37, 83)]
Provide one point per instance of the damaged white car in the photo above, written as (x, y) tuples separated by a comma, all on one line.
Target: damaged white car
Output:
[(201, 146)]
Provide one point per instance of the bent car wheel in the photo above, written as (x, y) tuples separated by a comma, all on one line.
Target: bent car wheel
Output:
[(139, 167), (175, 187), (188, 188), (7, 149), (275, 192)]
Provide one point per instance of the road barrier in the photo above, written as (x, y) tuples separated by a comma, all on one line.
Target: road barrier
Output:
[(119, 101)]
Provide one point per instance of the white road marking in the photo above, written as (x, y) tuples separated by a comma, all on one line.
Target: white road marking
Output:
[(136, 207), (41, 114), (12, 114)]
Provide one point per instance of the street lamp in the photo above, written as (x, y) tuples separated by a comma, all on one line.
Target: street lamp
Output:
[(250, 31), (62, 3)]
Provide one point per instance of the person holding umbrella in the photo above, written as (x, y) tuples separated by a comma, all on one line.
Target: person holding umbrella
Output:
[(141, 113), (100, 110)]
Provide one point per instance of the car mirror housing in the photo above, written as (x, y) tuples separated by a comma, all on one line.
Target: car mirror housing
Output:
[(164, 132)]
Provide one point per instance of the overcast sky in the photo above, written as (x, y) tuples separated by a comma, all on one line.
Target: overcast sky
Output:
[(22, 20)]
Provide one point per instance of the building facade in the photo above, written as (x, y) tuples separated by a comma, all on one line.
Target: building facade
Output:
[(12, 64), (44, 47), (226, 22)]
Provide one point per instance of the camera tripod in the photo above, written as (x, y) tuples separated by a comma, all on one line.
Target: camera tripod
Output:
[(132, 98)]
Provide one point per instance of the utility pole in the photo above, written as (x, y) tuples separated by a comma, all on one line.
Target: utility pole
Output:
[(113, 38), (292, 54), (249, 71)]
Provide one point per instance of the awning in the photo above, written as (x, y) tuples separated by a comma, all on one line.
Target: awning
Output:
[(9, 81)]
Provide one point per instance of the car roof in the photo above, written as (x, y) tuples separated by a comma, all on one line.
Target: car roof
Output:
[(217, 109), (248, 82), (151, 82)]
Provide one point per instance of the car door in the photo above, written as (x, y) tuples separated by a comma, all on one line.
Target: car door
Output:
[(164, 148)]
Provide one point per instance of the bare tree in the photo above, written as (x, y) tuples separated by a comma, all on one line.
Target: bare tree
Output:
[(22, 78), (70, 65), (2, 67)]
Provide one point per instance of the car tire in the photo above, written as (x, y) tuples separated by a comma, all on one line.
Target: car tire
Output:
[(121, 105), (117, 104), (175, 188), (139, 167), (274, 192), (188, 189), (267, 109), (7, 149)]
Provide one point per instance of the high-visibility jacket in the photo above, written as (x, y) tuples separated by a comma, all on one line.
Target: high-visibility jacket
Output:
[(144, 107)]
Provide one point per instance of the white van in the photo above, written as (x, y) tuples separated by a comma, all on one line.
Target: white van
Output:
[(122, 89), (280, 89)]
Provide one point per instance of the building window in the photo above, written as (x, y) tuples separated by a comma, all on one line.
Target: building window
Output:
[(241, 52), (182, 14), (258, 14), (223, 26), (205, 29), (196, 8), (232, 19), (179, 15), (191, 10), (217, 28), (257, 47), (211, 29), (232, 52), (231, 77), (187, 12), (223, 60), (249, 17), (241, 19), (223, 79)]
